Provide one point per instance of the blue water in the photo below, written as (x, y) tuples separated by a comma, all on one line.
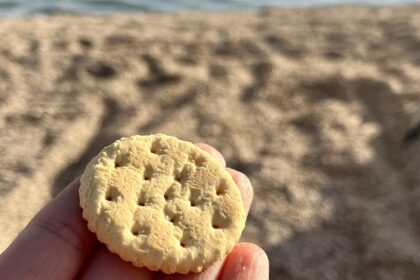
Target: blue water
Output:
[(25, 7)]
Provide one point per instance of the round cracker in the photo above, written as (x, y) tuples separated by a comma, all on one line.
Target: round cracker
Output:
[(162, 203)]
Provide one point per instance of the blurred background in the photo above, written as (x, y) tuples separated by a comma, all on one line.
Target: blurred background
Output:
[(317, 104)]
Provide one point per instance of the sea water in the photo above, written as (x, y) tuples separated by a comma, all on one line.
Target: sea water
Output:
[(28, 7)]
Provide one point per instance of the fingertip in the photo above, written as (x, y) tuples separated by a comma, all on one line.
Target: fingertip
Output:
[(246, 261), (213, 152), (245, 187), (262, 268)]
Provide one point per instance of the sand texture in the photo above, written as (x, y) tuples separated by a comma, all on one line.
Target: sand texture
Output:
[(317, 106)]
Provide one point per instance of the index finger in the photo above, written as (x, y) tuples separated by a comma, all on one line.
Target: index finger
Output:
[(54, 245)]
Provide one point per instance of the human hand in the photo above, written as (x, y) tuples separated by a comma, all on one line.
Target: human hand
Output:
[(57, 244)]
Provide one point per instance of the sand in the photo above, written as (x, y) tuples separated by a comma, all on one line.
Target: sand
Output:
[(317, 106)]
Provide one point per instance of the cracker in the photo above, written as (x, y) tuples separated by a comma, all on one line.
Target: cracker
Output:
[(162, 203)]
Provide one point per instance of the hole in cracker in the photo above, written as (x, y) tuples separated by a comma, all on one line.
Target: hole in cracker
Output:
[(195, 197), (172, 192), (112, 194), (172, 217), (221, 189), (181, 175), (140, 230), (153, 150), (147, 174), (141, 201), (156, 148), (220, 220), (184, 240), (117, 163), (199, 161)]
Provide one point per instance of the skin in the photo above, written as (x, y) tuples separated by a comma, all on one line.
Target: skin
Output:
[(56, 244)]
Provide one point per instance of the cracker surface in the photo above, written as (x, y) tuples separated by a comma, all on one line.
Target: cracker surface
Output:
[(162, 203)]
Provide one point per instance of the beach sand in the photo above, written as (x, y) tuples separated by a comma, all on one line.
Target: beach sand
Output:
[(317, 106)]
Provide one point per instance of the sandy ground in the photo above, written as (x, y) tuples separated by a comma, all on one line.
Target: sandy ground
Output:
[(317, 106)]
